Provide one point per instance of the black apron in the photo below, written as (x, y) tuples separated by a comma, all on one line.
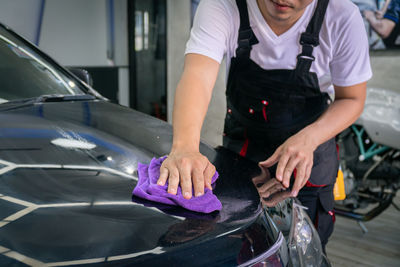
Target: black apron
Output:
[(266, 107)]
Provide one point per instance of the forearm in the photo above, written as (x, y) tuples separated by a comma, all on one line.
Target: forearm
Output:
[(192, 97), (341, 114), (185, 166), (381, 26), (190, 107)]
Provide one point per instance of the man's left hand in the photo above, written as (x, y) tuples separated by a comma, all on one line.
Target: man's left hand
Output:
[(297, 152)]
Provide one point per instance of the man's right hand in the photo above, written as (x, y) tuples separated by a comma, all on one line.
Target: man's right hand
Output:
[(187, 169), (185, 166)]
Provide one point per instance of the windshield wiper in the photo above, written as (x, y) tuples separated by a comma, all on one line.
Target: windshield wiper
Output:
[(63, 98), (20, 103)]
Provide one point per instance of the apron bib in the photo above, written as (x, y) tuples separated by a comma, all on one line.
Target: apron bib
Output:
[(266, 107)]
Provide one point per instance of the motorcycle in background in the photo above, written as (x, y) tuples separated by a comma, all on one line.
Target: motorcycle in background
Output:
[(369, 154)]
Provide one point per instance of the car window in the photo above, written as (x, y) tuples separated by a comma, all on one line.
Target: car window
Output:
[(24, 73)]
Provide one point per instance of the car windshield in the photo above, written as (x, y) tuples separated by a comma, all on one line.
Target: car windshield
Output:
[(24, 73)]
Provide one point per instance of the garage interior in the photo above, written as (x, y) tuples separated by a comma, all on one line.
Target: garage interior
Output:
[(134, 50)]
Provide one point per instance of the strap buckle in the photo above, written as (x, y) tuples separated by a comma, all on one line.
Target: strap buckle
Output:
[(244, 44), (311, 57), (245, 40)]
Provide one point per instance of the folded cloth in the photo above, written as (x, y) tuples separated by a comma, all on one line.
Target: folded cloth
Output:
[(176, 210), (148, 188)]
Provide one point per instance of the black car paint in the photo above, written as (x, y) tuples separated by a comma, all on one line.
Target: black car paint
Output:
[(73, 206), (99, 221)]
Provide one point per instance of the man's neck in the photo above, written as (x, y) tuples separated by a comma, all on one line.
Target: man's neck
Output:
[(279, 26)]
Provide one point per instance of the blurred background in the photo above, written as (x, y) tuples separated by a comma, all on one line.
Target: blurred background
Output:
[(134, 50)]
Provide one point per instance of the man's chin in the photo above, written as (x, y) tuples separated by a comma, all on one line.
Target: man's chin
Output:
[(281, 17)]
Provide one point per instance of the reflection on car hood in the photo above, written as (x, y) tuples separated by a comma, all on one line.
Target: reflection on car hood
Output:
[(67, 171)]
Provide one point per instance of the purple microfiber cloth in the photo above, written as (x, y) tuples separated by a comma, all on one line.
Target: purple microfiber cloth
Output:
[(148, 188)]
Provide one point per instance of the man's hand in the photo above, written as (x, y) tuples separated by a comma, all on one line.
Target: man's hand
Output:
[(186, 169), (296, 153)]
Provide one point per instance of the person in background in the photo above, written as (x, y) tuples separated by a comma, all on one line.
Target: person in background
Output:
[(381, 12), (386, 26)]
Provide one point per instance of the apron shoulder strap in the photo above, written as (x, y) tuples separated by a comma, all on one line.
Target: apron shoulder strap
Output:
[(246, 36), (310, 38)]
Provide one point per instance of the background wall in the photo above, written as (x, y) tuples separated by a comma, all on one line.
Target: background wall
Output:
[(178, 30), (22, 16), (84, 40), (179, 23), (78, 33), (89, 34)]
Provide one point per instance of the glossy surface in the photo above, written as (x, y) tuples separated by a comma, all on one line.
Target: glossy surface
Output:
[(25, 73), (68, 165), (66, 176)]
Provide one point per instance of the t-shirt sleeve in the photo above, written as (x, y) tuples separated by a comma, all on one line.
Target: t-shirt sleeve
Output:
[(209, 34), (393, 11), (350, 63)]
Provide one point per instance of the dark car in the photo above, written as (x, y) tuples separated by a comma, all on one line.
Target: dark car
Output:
[(68, 165)]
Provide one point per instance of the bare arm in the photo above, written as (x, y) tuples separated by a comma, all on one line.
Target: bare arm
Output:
[(185, 165), (383, 27), (297, 151)]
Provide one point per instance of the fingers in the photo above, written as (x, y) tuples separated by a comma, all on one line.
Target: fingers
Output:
[(208, 175), (308, 174), (173, 181), (198, 182), (297, 186), (300, 177), (303, 174), (163, 176), (295, 153), (185, 181), (192, 171), (282, 166)]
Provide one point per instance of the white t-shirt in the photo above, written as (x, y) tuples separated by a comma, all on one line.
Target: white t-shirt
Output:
[(342, 58)]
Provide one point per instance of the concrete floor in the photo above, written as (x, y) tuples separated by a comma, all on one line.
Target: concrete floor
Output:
[(380, 246)]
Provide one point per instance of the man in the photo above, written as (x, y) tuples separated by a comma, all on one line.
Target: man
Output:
[(386, 26), (282, 57)]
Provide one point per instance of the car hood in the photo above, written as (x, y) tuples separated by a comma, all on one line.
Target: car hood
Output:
[(67, 171)]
